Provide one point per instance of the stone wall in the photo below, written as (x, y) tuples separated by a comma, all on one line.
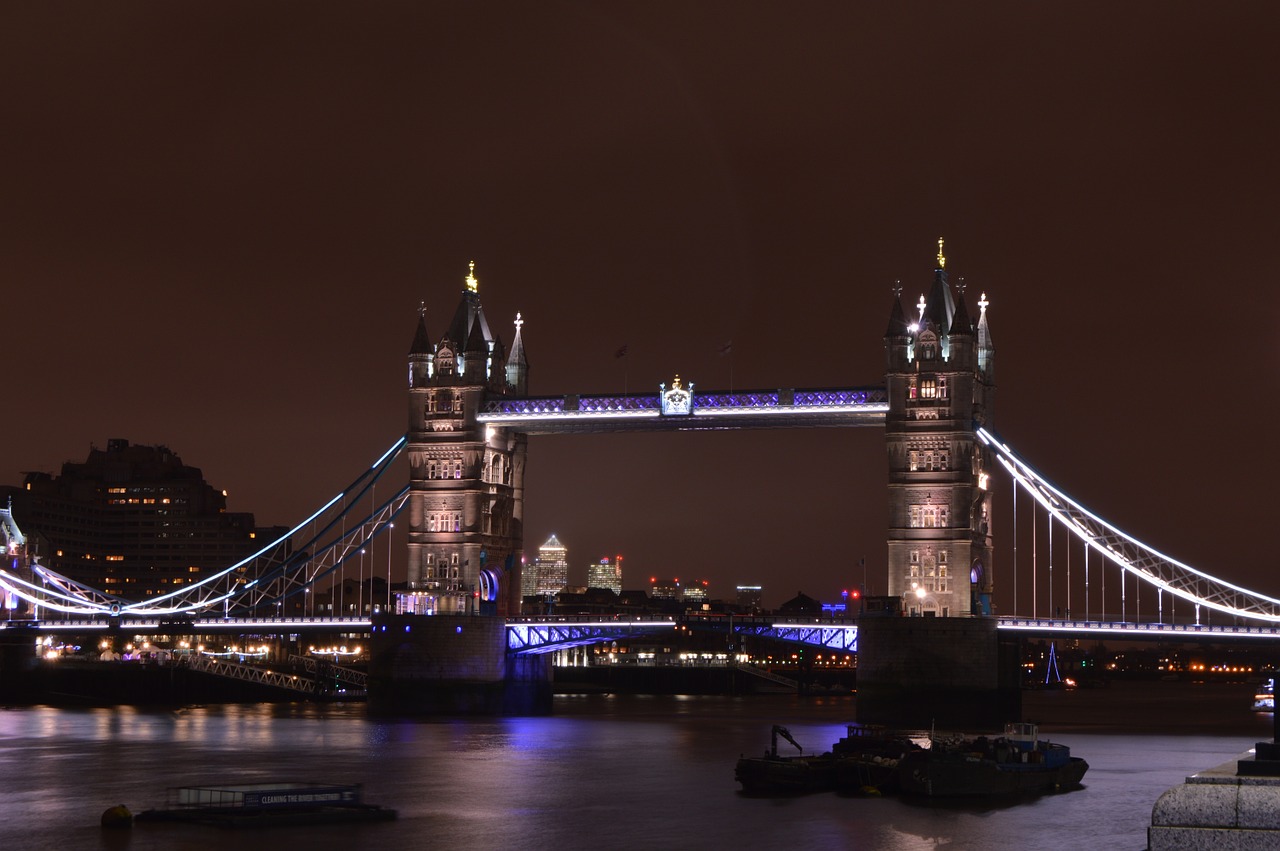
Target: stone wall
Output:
[(952, 673), (452, 665)]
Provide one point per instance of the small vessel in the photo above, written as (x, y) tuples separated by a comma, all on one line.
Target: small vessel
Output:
[(867, 758), (267, 805), (1016, 763), (772, 774), (1264, 700)]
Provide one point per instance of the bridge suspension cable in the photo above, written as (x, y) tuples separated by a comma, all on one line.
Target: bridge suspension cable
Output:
[(273, 574), (1134, 557)]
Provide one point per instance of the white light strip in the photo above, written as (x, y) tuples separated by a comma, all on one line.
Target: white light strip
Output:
[(570, 416), (209, 625), (580, 624), (869, 408), (1144, 631)]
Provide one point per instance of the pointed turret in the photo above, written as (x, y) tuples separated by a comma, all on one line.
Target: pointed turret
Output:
[(897, 337), (897, 318), (986, 348), (475, 356), (469, 312), (517, 365), (939, 307), (421, 352), (961, 343)]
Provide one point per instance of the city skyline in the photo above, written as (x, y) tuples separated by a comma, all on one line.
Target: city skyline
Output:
[(227, 256)]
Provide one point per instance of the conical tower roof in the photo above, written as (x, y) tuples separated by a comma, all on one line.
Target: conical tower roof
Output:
[(421, 339), (985, 343), (897, 318), (517, 357), (469, 313), (939, 306)]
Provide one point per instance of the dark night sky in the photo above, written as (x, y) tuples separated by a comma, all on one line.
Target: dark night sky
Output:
[(217, 222)]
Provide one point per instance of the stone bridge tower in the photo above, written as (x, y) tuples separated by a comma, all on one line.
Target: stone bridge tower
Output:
[(940, 380), (466, 506)]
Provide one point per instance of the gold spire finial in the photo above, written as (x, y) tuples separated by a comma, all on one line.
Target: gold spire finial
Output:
[(472, 284), (942, 260)]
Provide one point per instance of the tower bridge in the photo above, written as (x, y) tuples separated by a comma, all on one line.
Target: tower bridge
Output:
[(460, 515)]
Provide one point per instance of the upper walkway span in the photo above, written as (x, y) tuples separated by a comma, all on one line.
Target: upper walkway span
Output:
[(855, 406)]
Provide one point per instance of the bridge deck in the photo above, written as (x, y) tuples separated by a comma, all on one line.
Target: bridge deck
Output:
[(534, 634)]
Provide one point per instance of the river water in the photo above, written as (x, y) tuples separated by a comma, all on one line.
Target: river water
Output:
[(601, 773)]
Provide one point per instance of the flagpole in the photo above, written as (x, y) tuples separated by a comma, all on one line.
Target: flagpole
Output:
[(626, 365), (727, 349)]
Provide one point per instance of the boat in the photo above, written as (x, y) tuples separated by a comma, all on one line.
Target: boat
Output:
[(773, 774), (867, 758), (266, 805), (1264, 700), (1016, 763)]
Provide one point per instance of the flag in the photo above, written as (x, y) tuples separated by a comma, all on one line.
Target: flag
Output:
[(727, 348), (622, 352)]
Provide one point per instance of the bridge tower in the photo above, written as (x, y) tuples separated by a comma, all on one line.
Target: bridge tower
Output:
[(466, 508), (939, 376)]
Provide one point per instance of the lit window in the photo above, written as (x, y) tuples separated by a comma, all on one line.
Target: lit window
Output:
[(929, 516)]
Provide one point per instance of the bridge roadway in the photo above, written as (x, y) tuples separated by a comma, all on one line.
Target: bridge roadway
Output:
[(542, 634)]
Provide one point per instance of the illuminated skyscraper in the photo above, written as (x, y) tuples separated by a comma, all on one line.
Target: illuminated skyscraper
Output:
[(553, 567), (664, 589), (696, 591), (606, 574)]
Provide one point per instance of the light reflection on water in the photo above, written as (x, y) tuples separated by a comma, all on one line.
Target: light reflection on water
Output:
[(603, 772)]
